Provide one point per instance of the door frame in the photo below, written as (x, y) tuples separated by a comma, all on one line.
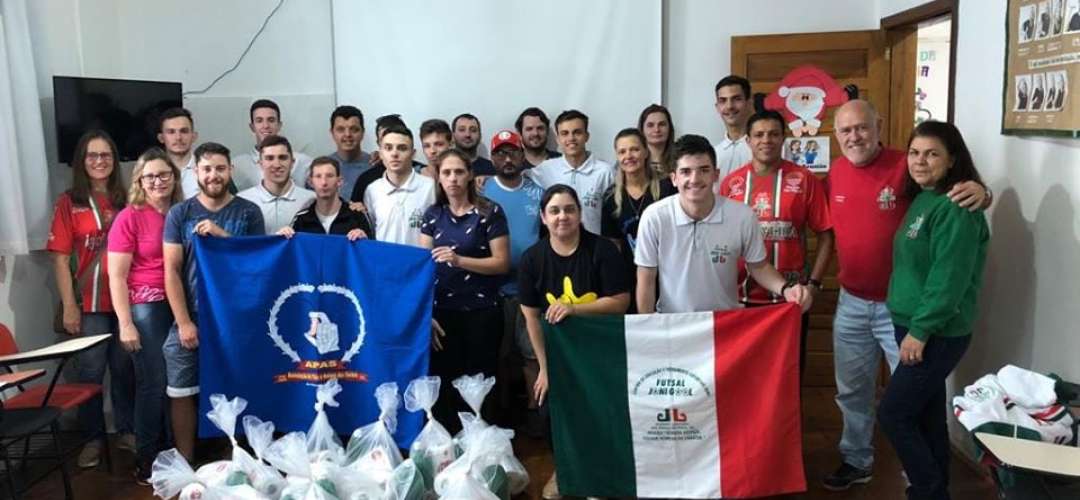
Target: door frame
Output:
[(900, 33)]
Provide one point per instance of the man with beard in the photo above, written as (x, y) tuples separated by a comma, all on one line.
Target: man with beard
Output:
[(347, 130), (396, 201), (578, 168), (328, 213), (265, 122), (467, 139), (733, 104), (213, 212), (532, 125), (277, 195), (520, 199), (694, 242), (176, 133)]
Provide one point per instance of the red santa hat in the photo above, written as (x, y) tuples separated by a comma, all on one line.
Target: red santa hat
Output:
[(812, 80)]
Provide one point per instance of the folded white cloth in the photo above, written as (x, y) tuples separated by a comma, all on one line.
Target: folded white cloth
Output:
[(1027, 388)]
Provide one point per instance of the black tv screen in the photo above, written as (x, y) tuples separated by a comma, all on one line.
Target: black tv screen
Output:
[(127, 109)]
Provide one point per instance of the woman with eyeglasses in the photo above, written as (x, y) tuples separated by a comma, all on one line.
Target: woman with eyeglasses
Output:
[(81, 220), (137, 284)]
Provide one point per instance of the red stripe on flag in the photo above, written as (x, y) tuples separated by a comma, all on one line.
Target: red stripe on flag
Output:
[(757, 401)]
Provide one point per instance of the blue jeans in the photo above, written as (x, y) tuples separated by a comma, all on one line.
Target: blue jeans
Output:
[(90, 369), (151, 418), (913, 415), (862, 330)]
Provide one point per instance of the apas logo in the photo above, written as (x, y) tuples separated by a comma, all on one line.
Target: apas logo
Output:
[(323, 334)]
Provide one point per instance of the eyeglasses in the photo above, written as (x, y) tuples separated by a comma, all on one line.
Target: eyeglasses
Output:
[(163, 177), (94, 156), (506, 153)]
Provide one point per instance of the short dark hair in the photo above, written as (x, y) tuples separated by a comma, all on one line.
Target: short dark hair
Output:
[(171, 113), (325, 160), (729, 80), (555, 189), (468, 116), (212, 148), (535, 112), (571, 114), (767, 114), (387, 121), (346, 112), (963, 168), (435, 126), (398, 129), (263, 103), (692, 144), (275, 140)]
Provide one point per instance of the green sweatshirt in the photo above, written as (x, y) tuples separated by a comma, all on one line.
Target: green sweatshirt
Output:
[(938, 257)]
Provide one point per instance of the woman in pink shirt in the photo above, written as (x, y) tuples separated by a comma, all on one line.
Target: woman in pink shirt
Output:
[(137, 286)]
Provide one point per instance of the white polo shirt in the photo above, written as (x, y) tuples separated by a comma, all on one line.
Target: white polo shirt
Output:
[(698, 261), (592, 180), (398, 211), (248, 174), (731, 154), (189, 179), (278, 211)]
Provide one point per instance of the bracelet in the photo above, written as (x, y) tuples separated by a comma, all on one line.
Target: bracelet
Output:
[(787, 285)]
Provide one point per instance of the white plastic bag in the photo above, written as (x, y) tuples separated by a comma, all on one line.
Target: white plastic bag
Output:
[(223, 414), (433, 449), (372, 448), (172, 476), (304, 480), (473, 389), (489, 449), (467, 488), (321, 437), (407, 483), (264, 478)]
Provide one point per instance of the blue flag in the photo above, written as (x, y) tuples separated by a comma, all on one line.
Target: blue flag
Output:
[(278, 316)]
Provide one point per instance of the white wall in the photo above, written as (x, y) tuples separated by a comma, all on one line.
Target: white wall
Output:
[(698, 51)]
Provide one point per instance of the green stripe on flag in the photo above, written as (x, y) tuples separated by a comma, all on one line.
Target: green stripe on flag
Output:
[(586, 379)]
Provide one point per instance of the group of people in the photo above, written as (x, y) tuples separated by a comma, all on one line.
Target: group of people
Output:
[(532, 235)]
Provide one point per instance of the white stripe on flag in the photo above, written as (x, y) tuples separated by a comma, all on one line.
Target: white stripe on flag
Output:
[(670, 377)]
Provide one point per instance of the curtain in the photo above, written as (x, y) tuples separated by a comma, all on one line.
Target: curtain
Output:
[(24, 197)]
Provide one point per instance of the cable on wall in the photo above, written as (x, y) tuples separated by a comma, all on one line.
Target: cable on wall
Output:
[(242, 55)]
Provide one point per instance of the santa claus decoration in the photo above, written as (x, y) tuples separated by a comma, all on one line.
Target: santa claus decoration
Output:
[(803, 96)]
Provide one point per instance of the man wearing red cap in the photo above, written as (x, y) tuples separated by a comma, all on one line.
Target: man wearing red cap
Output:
[(520, 199)]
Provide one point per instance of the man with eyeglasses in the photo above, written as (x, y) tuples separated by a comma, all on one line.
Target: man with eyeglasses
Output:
[(277, 195), (266, 121), (520, 199)]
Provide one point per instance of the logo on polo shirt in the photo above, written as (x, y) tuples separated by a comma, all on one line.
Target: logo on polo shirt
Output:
[(737, 186), (416, 219), (719, 254), (592, 199), (886, 199)]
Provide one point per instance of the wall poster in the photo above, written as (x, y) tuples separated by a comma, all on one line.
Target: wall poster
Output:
[(1042, 58)]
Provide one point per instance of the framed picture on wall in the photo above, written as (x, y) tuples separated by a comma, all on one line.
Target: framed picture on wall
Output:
[(1040, 49)]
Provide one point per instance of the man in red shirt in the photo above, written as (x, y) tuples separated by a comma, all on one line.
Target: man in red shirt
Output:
[(866, 201), (787, 200)]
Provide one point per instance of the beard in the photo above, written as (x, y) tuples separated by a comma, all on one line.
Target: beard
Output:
[(217, 191), (805, 110)]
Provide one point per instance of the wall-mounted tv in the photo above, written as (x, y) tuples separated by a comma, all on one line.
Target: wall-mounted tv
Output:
[(126, 109)]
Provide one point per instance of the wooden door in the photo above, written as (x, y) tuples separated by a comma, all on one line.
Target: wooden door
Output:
[(851, 57)]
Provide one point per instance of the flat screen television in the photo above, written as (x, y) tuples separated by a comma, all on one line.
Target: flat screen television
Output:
[(127, 109)]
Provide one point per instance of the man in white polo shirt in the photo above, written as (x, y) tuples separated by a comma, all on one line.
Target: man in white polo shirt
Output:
[(265, 121), (733, 104), (694, 242), (396, 202), (278, 197), (592, 178)]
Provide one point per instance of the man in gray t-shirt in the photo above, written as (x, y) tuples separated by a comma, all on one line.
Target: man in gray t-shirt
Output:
[(693, 243)]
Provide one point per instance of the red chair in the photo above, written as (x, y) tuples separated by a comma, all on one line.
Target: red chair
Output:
[(62, 396)]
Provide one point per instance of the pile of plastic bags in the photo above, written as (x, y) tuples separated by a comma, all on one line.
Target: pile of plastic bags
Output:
[(476, 464)]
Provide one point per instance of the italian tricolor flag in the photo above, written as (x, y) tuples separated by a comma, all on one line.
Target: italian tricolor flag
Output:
[(694, 405)]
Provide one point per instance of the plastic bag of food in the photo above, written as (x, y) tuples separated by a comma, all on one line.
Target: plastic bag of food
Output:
[(466, 487), (372, 448), (321, 437), (264, 478), (223, 414), (172, 476), (490, 460), (433, 449), (304, 479), (407, 483)]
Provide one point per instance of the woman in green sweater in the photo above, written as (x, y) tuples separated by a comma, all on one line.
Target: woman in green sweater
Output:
[(938, 256)]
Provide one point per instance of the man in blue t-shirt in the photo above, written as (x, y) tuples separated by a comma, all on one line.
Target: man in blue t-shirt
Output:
[(520, 199), (347, 130), (213, 212)]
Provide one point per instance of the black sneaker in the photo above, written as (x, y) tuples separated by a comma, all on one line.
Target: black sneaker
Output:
[(846, 476), (142, 474)]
